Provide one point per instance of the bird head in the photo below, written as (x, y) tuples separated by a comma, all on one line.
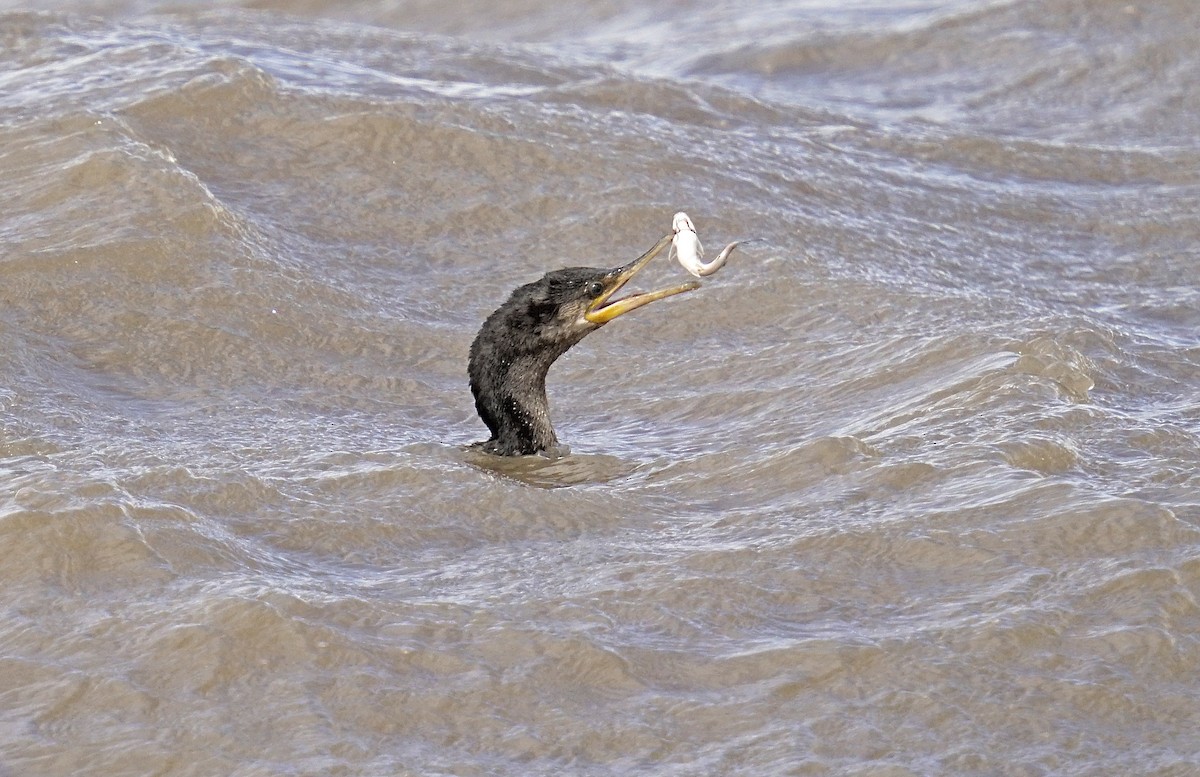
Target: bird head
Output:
[(565, 305)]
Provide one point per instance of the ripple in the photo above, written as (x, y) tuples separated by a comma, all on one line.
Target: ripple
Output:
[(1046, 455)]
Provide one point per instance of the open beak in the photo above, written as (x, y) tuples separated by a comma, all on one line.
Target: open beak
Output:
[(601, 311)]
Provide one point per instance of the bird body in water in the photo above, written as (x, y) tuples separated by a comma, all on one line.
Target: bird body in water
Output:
[(540, 322)]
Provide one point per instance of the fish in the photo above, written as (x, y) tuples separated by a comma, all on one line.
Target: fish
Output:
[(686, 247)]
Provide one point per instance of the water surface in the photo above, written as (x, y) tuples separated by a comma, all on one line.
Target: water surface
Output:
[(909, 488)]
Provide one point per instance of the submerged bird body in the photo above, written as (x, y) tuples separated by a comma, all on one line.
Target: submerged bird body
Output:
[(539, 322)]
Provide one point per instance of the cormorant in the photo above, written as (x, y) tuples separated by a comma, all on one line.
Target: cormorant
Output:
[(521, 339)]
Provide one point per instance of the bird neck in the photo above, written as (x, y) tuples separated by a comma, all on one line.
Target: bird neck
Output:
[(510, 396), (525, 410)]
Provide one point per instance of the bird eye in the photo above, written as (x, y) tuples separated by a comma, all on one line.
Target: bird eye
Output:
[(595, 288)]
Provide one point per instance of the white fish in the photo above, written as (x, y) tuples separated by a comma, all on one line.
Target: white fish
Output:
[(686, 247)]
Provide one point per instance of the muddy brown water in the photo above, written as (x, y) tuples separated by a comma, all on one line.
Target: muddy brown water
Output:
[(909, 488)]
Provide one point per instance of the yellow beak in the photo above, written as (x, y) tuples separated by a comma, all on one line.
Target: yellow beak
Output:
[(601, 311)]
